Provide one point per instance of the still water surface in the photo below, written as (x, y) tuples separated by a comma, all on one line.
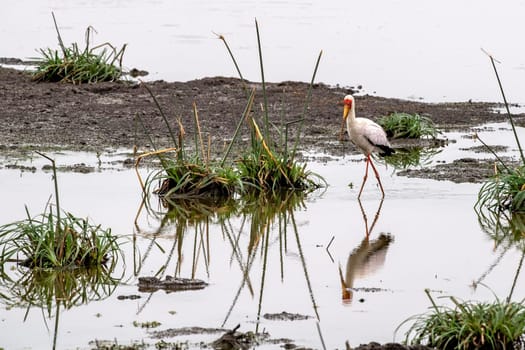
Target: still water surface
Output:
[(407, 49), (437, 244)]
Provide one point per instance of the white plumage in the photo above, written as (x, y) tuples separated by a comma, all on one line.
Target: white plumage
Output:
[(368, 136)]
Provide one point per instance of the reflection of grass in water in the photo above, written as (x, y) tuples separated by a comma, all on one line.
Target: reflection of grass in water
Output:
[(502, 227), (52, 290), (408, 157), (69, 288), (264, 210), (506, 232), (264, 216)]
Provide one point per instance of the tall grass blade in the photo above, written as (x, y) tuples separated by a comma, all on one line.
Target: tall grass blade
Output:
[(60, 42), (492, 61), (245, 114), (161, 111), (198, 143), (265, 98), (306, 104), (245, 88)]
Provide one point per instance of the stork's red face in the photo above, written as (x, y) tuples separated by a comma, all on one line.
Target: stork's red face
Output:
[(348, 101)]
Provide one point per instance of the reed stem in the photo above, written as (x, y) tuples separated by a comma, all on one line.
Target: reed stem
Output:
[(266, 129), (306, 104), (245, 113), (506, 106)]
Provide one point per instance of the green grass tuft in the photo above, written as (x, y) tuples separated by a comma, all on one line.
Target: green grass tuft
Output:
[(503, 191), (470, 325), (267, 165), (196, 179), (404, 125), (49, 241), (75, 65), (57, 239)]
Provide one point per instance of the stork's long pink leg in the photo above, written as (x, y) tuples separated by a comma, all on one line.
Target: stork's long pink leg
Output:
[(377, 176), (368, 160), (365, 177)]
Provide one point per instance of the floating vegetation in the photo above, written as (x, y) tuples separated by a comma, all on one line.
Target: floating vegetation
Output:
[(469, 325), (404, 125), (75, 65), (57, 239)]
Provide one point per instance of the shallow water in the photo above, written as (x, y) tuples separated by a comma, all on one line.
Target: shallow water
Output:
[(407, 49), (437, 244)]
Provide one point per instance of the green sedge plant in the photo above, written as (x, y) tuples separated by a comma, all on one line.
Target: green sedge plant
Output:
[(467, 325), (267, 165), (79, 65), (505, 190), (270, 164), (405, 125), (57, 239), (185, 172)]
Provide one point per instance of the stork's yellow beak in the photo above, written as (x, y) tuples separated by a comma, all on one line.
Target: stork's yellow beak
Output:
[(346, 109)]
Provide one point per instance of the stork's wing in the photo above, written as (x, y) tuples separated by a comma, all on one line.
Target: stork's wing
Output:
[(375, 134)]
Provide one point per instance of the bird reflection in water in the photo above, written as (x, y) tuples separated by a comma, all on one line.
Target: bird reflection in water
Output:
[(366, 258)]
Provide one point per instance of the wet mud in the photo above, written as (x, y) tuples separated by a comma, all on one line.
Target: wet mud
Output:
[(97, 117)]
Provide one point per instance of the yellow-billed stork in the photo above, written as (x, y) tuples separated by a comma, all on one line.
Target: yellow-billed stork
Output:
[(368, 136)]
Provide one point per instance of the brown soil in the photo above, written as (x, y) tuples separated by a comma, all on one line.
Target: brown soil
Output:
[(103, 115)]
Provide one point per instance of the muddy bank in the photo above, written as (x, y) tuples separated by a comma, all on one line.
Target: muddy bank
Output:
[(99, 116), (95, 117)]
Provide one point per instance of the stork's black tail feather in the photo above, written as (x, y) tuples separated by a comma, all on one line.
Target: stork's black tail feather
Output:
[(385, 150)]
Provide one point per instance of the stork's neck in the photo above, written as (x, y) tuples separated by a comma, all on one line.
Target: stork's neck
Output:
[(351, 115)]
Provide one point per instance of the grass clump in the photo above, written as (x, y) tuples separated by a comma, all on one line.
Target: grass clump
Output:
[(52, 241), (188, 175), (505, 191), (267, 164), (267, 171), (470, 325), (412, 126), (75, 65), (193, 178), (57, 239)]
